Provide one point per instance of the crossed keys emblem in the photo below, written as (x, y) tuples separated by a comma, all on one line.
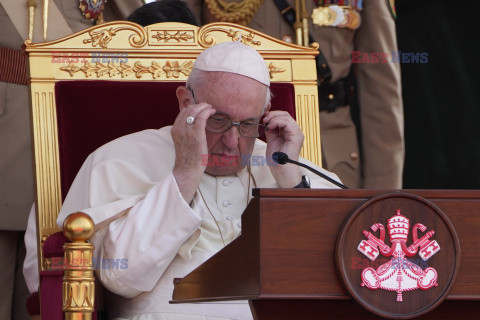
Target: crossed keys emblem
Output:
[(399, 274)]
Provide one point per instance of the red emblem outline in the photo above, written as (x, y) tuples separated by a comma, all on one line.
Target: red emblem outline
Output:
[(399, 274)]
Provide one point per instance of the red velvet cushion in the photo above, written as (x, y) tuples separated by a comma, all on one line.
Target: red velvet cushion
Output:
[(52, 247), (33, 304), (92, 113), (51, 294)]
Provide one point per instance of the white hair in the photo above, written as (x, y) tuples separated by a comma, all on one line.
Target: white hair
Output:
[(197, 77)]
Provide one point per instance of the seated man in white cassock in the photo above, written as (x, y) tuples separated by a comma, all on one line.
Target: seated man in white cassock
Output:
[(160, 205)]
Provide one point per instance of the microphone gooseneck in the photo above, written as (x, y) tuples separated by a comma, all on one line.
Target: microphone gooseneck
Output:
[(282, 158)]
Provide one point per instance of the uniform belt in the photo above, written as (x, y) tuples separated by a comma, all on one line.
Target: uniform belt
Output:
[(333, 95), (13, 66)]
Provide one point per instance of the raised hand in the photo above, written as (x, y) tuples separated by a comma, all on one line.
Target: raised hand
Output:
[(284, 135), (189, 138)]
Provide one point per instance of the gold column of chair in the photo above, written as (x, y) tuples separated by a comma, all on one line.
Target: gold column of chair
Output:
[(78, 290)]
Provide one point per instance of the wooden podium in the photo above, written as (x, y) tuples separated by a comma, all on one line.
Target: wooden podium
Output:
[(284, 262)]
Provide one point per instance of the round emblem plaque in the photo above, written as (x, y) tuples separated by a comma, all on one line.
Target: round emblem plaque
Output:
[(398, 255)]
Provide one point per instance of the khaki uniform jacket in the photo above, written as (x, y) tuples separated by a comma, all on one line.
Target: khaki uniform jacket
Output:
[(378, 90), (16, 173)]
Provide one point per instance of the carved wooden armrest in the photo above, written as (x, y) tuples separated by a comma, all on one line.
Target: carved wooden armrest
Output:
[(78, 290)]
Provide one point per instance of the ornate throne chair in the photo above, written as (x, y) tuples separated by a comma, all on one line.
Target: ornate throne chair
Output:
[(114, 79)]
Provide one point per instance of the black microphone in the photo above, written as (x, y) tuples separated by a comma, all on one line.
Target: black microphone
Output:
[(282, 158)]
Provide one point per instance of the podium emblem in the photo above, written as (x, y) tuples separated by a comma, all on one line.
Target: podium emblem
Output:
[(399, 274), (398, 255)]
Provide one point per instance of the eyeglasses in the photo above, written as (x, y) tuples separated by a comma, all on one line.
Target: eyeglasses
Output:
[(219, 124)]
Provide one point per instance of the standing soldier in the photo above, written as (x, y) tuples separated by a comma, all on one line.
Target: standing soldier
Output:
[(341, 27), (16, 177)]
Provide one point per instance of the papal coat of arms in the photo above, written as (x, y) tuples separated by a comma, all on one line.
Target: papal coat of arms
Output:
[(399, 274)]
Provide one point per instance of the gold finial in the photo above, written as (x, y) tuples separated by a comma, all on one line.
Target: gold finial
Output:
[(31, 4), (45, 19), (298, 25), (314, 45), (78, 227), (304, 23)]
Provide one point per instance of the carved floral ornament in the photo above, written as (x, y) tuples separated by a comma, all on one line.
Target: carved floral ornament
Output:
[(245, 38), (169, 69), (176, 36), (102, 37), (79, 294), (208, 39), (272, 70)]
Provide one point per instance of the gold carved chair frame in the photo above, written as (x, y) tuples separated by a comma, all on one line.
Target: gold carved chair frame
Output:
[(161, 52)]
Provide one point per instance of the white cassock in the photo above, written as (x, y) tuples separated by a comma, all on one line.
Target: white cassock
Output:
[(148, 231)]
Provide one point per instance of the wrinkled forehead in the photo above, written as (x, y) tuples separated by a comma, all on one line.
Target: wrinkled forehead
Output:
[(234, 95)]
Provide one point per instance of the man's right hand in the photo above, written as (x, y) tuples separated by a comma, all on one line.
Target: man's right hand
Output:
[(190, 143)]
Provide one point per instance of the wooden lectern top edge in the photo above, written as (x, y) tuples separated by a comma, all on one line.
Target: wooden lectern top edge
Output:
[(464, 297), (363, 193), (213, 299), (265, 297), (303, 297)]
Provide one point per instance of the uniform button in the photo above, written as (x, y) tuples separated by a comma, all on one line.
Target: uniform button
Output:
[(226, 182), (239, 224), (226, 203), (229, 218), (287, 38), (354, 155)]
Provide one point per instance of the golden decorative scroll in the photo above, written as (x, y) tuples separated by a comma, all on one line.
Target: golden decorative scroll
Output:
[(101, 37), (245, 38), (207, 38), (272, 70)]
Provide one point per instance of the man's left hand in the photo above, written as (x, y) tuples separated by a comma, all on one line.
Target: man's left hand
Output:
[(284, 135)]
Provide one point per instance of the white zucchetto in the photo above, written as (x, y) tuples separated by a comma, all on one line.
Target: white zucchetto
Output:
[(234, 57)]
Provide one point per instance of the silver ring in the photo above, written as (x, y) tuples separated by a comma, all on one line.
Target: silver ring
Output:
[(190, 120)]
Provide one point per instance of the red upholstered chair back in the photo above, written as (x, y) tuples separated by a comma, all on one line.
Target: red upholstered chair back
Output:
[(92, 113)]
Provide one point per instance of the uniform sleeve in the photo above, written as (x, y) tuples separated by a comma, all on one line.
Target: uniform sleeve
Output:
[(379, 93), (146, 239)]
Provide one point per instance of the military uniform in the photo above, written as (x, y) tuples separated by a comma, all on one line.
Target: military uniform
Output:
[(16, 174), (380, 164)]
